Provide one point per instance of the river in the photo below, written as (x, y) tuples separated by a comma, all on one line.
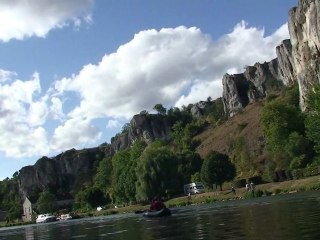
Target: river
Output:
[(291, 216)]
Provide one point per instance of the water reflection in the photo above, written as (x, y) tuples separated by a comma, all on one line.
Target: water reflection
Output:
[(281, 217), (29, 234)]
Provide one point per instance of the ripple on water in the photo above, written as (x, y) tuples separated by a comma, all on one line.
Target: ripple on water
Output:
[(79, 236), (112, 233)]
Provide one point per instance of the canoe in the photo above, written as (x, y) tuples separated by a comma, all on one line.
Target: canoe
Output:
[(161, 213)]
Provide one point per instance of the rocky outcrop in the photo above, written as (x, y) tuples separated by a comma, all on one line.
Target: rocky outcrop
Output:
[(286, 68), (147, 127), (304, 29), (298, 61), (198, 109), (60, 174), (214, 108), (255, 83), (68, 171)]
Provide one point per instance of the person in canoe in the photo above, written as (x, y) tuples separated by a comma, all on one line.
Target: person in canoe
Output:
[(157, 204)]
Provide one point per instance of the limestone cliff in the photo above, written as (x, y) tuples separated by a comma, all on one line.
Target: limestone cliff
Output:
[(147, 127), (61, 174), (304, 28), (255, 83), (69, 170), (298, 61)]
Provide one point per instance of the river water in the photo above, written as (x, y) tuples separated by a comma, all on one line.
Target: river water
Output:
[(292, 216)]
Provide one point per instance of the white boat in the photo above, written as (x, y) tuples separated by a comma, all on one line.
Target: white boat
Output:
[(43, 218), (65, 217)]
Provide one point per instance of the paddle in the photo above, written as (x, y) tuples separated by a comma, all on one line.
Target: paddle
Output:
[(141, 211)]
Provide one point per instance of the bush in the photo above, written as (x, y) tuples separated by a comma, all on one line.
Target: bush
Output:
[(311, 171), (256, 180), (253, 194), (279, 176), (297, 173), (277, 191), (267, 193), (240, 183)]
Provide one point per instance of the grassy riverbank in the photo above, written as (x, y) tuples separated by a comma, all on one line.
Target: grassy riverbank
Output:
[(291, 186), (274, 188)]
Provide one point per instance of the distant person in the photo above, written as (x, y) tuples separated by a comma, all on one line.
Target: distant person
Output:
[(233, 190), (247, 186), (157, 204), (252, 186), (189, 195)]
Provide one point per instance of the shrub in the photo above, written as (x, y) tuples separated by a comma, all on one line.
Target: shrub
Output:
[(253, 194), (240, 183), (297, 173), (267, 193), (256, 180), (277, 191)]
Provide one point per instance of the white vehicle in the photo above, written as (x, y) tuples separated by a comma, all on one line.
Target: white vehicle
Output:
[(193, 188), (43, 218)]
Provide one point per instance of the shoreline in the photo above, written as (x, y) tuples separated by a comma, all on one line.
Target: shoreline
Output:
[(267, 189)]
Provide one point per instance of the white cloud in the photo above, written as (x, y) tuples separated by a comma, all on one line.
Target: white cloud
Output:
[(74, 132), (6, 75), (21, 19), (20, 117), (173, 66), (56, 108), (113, 124)]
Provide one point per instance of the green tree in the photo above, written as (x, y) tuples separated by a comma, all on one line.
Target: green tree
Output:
[(189, 163), (279, 120), (9, 198), (46, 203), (312, 120), (90, 198), (182, 135), (241, 157), (160, 109), (216, 169), (103, 178), (299, 149), (284, 127), (124, 175), (120, 163), (196, 177), (156, 173)]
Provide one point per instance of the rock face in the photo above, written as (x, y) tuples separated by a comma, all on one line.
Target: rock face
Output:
[(255, 83), (204, 108), (286, 69), (71, 169), (61, 173), (142, 126), (304, 29), (298, 60)]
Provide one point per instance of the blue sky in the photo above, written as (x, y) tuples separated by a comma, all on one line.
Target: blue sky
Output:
[(73, 72)]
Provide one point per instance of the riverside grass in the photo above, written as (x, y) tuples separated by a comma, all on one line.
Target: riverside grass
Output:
[(274, 188)]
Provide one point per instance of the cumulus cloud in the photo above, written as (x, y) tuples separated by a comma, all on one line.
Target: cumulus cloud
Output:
[(113, 124), (21, 19), (173, 66), (24, 115), (21, 116), (74, 132), (6, 75)]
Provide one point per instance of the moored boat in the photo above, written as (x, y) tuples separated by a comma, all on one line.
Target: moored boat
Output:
[(63, 217), (43, 218)]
